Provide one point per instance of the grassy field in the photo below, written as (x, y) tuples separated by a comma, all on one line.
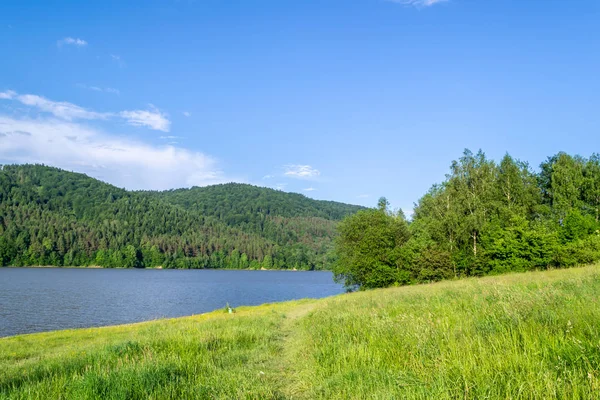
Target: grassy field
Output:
[(522, 336)]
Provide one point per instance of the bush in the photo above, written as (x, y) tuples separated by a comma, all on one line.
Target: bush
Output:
[(368, 249)]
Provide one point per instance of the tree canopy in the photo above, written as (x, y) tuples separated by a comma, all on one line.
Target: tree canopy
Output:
[(367, 247), (50, 216), (485, 218)]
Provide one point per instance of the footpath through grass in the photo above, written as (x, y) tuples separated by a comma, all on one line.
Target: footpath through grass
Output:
[(531, 336)]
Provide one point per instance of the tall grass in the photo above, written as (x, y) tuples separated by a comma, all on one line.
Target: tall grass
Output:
[(533, 335), (214, 356)]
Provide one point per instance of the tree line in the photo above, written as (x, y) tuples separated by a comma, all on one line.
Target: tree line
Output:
[(485, 218), (54, 217)]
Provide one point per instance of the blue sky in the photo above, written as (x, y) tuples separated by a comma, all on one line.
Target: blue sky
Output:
[(343, 100)]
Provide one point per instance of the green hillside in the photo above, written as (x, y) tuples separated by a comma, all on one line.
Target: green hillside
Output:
[(532, 335), (50, 216), (296, 224), (237, 203)]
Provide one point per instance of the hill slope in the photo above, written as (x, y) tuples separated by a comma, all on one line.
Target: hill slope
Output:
[(529, 335), (233, 202), (292, 221), (53, 217)]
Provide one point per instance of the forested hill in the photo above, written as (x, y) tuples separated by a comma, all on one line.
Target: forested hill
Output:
[(235, 202), (53, 217)]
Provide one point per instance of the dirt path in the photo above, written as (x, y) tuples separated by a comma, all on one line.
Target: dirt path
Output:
[(297, 313), (291, 351)]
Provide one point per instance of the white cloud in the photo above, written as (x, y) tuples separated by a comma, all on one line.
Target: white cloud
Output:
[(187, 113), (118, 60), (363, 196), (153, 118), (72, 41), (100, 89), (8, 95), (310, 189), (418, 3), (280, 186), (301, 171), (268, 177), (60, 109), (125, 163), (170, 137)]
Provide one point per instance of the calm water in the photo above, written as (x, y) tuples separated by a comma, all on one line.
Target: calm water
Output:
[(44, 299)]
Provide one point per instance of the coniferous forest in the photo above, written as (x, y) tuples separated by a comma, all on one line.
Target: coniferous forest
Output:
[(485, 218), (53, 217)]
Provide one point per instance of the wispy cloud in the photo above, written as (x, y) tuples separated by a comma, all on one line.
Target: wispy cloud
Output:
[(125, 163), (60, 109), (310, 189), (152, 118), (418, 3), (363, 196), (187, 113), (118, 60), (170, 137), (71, 41), (301, 171), (268, 177), (100, 89), (8, 95)]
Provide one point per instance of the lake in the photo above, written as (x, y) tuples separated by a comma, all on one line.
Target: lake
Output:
[(45, 299)]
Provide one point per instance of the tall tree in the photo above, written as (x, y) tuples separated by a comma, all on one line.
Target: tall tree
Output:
[(471, 183), (591, 186), (517, 185), (561, 180)]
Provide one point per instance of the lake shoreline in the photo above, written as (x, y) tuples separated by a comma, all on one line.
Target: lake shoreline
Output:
[(444, 334), (161, 268), (66, 298)]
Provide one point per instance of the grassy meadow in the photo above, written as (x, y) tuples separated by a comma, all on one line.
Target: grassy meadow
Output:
[(521, 336)]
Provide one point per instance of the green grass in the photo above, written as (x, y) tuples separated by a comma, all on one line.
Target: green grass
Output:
[(521, 336)]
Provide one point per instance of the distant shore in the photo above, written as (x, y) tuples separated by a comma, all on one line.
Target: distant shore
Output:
[(159, 267), (52, 266)]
